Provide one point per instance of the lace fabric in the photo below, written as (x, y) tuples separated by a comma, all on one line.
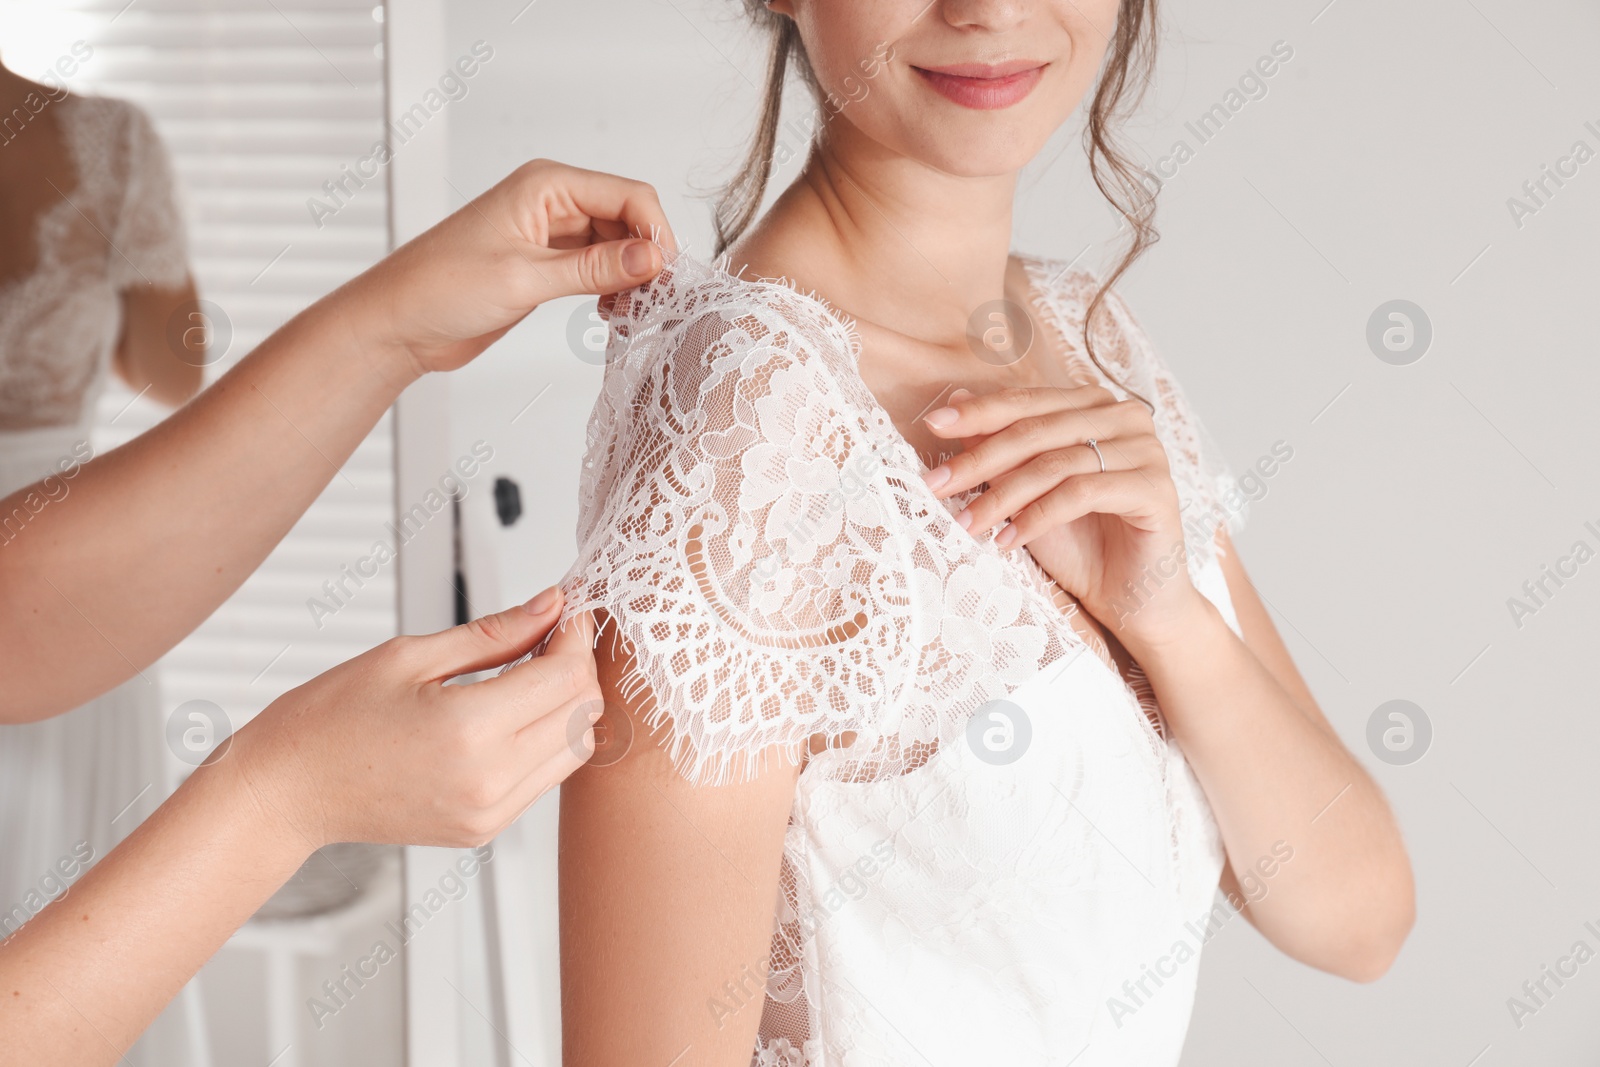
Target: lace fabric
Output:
[(119, 227), (758, 533), (1208, 492)]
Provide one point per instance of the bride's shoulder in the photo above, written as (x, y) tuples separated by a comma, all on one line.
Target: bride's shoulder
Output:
[(695, 307), (1064, 286), (698, 347), (1066, 292), (108, 120)]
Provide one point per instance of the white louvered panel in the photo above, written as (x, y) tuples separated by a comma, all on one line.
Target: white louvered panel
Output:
[(260, 102)]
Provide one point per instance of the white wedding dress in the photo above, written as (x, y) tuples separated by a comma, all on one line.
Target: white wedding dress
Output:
[(72, 786), (1009, 863)]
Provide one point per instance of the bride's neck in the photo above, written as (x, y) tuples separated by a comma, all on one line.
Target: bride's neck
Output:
[(888, 239)]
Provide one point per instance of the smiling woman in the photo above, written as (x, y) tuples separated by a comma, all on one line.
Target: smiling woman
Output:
[(867, 582)]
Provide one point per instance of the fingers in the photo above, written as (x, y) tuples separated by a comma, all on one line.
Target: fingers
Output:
[(528, 791), (995, 411), (1126, 494), (598, 269), (490, 641), (968, 442), (566, 731), (1011, 426), (593, 233), (537, 721), (607, 198), (554, 200), (561, 678), (1115, 430), (555, 745), (1011, 492), (497, 798), (575, 637)]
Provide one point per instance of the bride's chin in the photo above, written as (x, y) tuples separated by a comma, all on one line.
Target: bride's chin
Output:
[(974, 159), (992, 152), (989, 148)]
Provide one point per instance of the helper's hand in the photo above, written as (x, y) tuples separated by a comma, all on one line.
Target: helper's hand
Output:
[(546, 231), (380, 749)]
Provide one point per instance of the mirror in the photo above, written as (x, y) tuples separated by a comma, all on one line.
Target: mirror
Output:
[(264, 110)]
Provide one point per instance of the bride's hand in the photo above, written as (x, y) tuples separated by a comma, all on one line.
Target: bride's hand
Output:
[(1112, 539), (546, 231)]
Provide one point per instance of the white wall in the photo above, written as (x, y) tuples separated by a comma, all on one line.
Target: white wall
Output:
[(1419, 497)]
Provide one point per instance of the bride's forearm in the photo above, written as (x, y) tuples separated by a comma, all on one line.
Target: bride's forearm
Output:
[(147, 540), (84, 977), (1304, 825)]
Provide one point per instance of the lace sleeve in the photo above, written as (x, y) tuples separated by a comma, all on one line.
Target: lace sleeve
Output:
[(149, 226), (738, 548), (1214, 496), (1210, 495), (769, 555)]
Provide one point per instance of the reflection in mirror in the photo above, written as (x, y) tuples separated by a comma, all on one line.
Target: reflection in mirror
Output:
[(159, 164)]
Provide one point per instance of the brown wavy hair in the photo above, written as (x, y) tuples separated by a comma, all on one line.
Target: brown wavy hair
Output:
[(1124, 79)]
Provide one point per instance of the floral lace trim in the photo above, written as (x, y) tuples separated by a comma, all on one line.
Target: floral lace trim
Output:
[(762, 540), (763, 593), (1207, 488)]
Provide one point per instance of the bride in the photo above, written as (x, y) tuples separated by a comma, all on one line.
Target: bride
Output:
[(953, 706)]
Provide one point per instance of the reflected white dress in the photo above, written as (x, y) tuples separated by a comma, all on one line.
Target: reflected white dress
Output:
[(1009, 863), (72, 786)]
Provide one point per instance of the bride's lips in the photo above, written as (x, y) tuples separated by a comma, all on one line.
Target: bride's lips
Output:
[(982, 86)]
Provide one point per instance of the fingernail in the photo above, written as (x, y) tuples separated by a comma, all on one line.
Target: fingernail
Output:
[(543, 602), (964, 520), (962, 394), (636, 258), (1007, 534), (941, 417), (937, 477)]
